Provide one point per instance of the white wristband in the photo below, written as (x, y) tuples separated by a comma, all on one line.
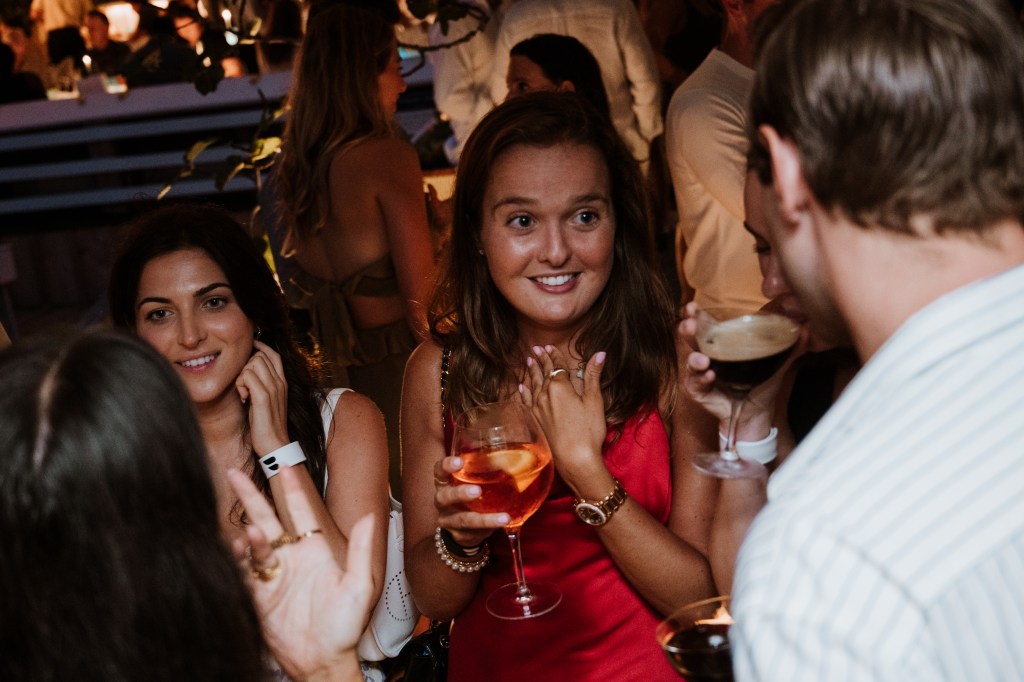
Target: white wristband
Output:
[(285, 456), (763, 451)]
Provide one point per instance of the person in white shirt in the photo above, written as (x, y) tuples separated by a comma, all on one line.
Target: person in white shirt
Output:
[(892, 544), (612, 31), (462, 72), (706, 148)]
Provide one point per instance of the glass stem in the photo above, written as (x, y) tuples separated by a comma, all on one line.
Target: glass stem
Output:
[(523, 594), (734, 419)]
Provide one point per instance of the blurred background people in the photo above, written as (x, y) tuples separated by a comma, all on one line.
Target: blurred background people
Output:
[(706, 149), (205, 40), (106, 55), (63, 21), (462, 72), (281, 35), (17, 87), (549, 62), (612, 31), (353, 210), (29, 56)]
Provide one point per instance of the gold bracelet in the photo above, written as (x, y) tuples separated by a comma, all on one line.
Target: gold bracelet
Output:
[(457, 564)]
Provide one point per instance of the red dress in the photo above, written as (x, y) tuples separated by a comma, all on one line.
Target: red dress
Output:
[(603, 629)]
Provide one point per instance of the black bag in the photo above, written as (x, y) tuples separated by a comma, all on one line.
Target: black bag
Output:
[(425, 657)]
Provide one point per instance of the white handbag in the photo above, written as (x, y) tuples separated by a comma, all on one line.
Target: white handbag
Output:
[(395, 615)]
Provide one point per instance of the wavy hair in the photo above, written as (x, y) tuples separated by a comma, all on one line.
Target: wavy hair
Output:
[(208, 228), (113, 564), (633, 317), (334, 100)]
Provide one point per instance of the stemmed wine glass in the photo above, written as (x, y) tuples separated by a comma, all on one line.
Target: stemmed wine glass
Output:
[(696, 640), (504, 451), (746, 348)]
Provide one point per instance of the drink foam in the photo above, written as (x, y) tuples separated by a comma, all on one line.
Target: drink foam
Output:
[(748, 338)]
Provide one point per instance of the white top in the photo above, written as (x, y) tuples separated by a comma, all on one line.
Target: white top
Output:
[(706, 148), (892, 546), (62, 13), (612, 31), (462, 75)]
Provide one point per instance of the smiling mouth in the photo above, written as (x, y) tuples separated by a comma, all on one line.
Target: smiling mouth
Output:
[(555, 280), (199, 362)]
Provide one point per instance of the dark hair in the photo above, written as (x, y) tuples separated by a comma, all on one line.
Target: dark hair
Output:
[(6, 60), (563, 58), (178, 227), (900, 108), (113, 564), (633, 317), (96, 14)]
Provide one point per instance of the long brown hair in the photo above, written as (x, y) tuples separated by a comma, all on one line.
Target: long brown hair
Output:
[(334, 99), (632, 319)]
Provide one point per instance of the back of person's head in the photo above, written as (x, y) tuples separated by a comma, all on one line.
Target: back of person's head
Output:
[(901, 108), (565, 59), (99, 16), (633, 315), (113, 564), (335, 98), (177, 227)]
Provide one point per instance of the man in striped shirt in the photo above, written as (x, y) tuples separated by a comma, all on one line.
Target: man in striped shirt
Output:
[(891, 133)]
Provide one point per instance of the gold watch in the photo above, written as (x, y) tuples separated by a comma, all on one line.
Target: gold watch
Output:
[(598, 513)]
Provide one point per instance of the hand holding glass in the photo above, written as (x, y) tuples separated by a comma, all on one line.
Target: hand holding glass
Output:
[(746, 348), (505, 453)]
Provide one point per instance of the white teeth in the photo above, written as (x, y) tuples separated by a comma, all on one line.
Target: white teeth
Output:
[(555, 281), (199, 361)]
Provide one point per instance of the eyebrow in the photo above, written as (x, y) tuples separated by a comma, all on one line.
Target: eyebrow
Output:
[(581, 199), (200, 292)]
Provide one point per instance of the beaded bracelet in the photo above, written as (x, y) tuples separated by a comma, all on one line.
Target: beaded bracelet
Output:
[(454, 562)]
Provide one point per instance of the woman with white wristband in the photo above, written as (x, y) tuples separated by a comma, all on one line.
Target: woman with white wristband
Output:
[(777, 414), (190, 282)]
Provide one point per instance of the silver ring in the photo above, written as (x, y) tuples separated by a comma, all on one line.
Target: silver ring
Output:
[(554, 372)]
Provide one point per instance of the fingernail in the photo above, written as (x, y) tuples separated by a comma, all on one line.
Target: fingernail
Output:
[(457, 462), (473, 490), (522, 388), (537, 350), (529, 361), (601, 355), (550, 349), (504, 519)]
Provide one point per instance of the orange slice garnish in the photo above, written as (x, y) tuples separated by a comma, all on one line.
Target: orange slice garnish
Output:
[(520, 464)]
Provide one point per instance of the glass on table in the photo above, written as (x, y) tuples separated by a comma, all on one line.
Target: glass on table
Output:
[(505, 453)]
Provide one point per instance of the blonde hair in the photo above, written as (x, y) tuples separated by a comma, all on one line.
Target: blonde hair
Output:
[(334, 100)]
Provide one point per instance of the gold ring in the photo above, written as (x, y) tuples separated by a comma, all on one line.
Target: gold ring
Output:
[(266, 574), (554, 372), (284, 539)]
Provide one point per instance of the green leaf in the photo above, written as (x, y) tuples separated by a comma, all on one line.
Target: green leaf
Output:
[(266, 146), (198, 148), (222, 179)]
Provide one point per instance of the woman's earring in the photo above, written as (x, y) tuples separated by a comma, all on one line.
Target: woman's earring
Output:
[(480, 251), (257, 335)]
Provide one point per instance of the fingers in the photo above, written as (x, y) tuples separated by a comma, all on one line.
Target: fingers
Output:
[(272, 356), (296, 500), (592, 376), (256, 506)]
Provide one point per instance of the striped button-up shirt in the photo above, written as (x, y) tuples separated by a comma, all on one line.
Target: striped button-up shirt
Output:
[(892, 546)]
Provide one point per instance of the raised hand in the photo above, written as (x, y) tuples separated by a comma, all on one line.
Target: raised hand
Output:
[(573, 420), (313, 611), (262, 384)]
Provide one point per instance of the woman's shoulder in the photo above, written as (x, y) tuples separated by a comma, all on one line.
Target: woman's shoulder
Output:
[(378, 148), (425, 361)]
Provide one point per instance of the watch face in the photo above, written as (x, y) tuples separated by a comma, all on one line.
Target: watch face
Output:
[(591, 514)]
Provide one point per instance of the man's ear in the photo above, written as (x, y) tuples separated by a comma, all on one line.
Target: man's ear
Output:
[(787, 172)]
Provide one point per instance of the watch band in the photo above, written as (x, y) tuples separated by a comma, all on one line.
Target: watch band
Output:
[(285, 456), (598, 513)]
